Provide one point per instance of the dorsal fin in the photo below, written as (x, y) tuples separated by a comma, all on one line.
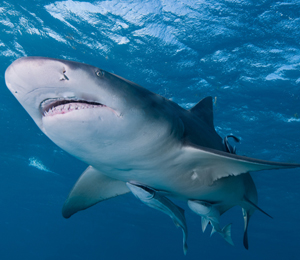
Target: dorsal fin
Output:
[(204, 110)]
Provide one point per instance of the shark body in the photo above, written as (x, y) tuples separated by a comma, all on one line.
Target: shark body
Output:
[(128, 134)]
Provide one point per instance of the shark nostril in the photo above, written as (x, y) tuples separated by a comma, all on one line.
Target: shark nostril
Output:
[(65, 76)]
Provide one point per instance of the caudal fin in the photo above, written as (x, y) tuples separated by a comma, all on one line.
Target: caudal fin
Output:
[(226, 233)]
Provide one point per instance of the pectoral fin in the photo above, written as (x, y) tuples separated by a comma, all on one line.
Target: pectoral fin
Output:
[(91, 188), (215, 164)]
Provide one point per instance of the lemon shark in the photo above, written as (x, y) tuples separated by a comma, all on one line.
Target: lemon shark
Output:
[(127, 134)]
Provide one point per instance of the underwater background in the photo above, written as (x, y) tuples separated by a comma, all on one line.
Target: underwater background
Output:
[(246, 54)]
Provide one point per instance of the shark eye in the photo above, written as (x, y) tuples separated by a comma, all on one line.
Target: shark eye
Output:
[(99, 73)]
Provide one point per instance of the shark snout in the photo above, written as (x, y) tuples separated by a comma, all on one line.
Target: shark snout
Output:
[(29, 73), (12, 79)]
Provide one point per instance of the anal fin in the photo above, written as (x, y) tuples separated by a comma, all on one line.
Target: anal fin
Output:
[(204, 223), (91, 188)]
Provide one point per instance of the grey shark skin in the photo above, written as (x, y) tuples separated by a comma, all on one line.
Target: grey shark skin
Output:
[(159, 202), (129, 134)]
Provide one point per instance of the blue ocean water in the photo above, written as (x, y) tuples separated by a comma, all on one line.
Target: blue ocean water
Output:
[(245, 54)]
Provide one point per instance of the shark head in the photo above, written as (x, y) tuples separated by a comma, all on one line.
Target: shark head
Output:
[(84, 109), (41, 84)]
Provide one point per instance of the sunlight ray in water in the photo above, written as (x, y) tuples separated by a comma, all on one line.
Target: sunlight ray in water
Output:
[(36, 163)]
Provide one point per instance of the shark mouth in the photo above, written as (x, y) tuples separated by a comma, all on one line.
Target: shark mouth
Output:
[(51, 107)]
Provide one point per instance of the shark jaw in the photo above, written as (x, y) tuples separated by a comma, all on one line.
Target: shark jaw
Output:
[(49, 87), (60, 106)]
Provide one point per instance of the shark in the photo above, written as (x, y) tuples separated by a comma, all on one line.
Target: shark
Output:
[(130, 135)]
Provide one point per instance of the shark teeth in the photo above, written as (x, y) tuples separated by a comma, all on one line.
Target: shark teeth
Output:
[(68, 107)]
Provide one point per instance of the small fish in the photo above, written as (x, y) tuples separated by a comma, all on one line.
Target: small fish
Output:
[(209, 213), (229, 148), (155, 200), (34, 162)]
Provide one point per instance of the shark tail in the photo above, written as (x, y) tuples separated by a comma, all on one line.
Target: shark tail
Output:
[(226, 233)]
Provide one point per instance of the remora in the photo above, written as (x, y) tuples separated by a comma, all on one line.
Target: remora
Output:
[(129, 134)]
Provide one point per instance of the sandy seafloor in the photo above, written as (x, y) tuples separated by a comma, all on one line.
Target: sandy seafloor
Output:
[(243, 53)]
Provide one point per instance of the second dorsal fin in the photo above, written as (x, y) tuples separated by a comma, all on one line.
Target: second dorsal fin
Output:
[(204, 110)]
